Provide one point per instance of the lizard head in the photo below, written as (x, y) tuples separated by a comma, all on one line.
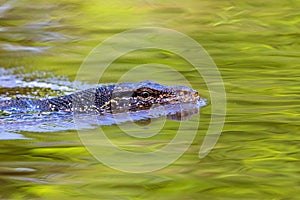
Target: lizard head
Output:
[(146, 94)]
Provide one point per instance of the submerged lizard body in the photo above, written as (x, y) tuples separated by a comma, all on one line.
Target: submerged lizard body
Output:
[(112, 98)]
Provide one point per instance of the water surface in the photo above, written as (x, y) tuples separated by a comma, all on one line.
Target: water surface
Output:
[(256, 48)]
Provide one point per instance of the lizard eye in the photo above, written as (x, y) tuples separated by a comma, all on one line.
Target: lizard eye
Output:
[(145, 94)]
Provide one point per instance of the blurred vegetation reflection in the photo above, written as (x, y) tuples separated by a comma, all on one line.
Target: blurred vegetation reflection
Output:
[(254, 43)]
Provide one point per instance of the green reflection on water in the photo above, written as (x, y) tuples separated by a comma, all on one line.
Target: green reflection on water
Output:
[(255, 44)]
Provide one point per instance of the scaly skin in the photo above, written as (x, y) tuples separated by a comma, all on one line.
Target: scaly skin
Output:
[(113, 98)]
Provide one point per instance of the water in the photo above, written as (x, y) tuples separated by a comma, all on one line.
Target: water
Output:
[(255, 46)]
